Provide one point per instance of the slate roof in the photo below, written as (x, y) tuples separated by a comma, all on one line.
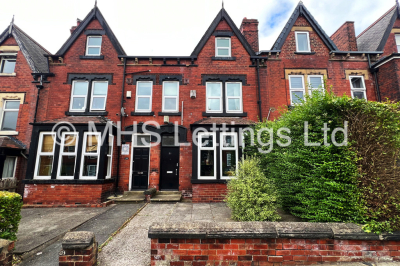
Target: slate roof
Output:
[(32, 51), (11, 143), (224, 120), (375, 36), (93, 14), (222, 15), (302, 10)]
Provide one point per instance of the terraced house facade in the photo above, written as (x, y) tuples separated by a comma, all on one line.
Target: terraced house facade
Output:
[(91, 90)]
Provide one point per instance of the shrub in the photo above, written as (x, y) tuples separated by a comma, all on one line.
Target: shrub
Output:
[(251, 196), (10, 214)]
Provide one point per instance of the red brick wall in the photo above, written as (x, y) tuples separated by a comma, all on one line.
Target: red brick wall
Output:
[(60, 194), (249, 28), (249, 252), (208, 192), (345, 37), (388, 79), (390, 45)]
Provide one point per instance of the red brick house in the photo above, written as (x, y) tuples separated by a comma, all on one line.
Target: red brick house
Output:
[(182, 117), (23, 72)]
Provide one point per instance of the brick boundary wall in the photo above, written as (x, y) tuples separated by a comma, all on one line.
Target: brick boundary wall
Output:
[(78, 249), (208, 193), (266, 243), (6, 254)]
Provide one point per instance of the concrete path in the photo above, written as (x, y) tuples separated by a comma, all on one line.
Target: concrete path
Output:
[(132, 245), (110, 220)]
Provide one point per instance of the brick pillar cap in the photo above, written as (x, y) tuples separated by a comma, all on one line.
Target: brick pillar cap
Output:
[(77, 240), (4, 244)]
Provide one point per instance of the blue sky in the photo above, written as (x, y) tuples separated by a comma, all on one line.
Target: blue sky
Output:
[(174, 27)]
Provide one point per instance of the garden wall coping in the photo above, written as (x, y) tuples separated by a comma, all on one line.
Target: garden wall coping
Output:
[(303, 230)]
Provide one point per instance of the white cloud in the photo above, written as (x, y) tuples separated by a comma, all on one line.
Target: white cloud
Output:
[(174, 27)]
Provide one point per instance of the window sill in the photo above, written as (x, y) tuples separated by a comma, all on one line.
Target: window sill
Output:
[(9, 133), (220, 58), (169, 113), (86, 113), (309, 53), (244, 114), (91, 57), (8, 74), (208, 181), (68, 181), (142, 113)]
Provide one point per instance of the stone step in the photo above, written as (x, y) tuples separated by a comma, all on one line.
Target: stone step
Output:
[(129, 197), (167, 196), (134, 192)]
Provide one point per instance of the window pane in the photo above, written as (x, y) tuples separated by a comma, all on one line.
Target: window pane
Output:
[(100, 88), (207, 163), (78, 103), (213, 89), (9, 166), (8, 66), (233, 104), (223, 51), (171, 88), (99, 103), (170, 104), (222, 42), (228, 163), (398, 48), (168, 141), (233, 89), (315, 82), (95, 41), (110, 145), (302, 42), (144, 88), (358, 94), (143, 103), (80, 88), (67, 165), (296, 82), (69, 143), (109, 166), (297, 96), (397, 39), (207, 141), (94, 50), (89, 165), (357, 83), (229, 141), (47, 143), (214, 105), (92, 143), (142, 140), (10, 120), (45, 165), (12, 105)]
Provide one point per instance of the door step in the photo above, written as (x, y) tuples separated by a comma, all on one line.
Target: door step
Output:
[(167, 196), (129, 197)]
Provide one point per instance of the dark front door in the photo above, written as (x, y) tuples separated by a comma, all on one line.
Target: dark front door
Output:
[(140, 168), (169, 179)]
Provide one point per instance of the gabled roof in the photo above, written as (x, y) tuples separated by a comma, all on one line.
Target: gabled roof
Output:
[(93, 14), (301, 10), (32, 51), (222, 15), (375, 36)]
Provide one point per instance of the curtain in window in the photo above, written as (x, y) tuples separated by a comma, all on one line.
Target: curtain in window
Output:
[(9, 165)]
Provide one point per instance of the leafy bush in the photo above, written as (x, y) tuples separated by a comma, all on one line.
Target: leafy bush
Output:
[(358, 182), (10, 214), (251, 196)]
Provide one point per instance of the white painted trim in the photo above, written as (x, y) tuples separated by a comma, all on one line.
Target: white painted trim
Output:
[(233, 97), (62, 153), (40, 153), (228, 48), (93, 46), (214, 97), (93, 96), (364, 90), (222, 148), (144, 96), (296, 89), (308, 41), (6, 59), (112, 153), (200, 148), (90, 154), (316, 89), (381, 64), (171, 97), (79, 96), (4, 110)]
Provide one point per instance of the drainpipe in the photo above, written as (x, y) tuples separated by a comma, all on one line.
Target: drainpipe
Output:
[(39, 87), (378, 92), (259, 89)]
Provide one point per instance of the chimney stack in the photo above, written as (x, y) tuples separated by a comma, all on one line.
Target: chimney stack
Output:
[(249, 29), (345, 37), (78, 21)]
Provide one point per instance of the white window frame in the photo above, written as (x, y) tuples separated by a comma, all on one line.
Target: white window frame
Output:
[(92, 96), (14, 170), (62, 153), (8, 110), (233, 97), (84, 153), (310, 89), (364, 90), (109, 170), (78, 96), (200, 148), (144, 96), (228, 48), (4, 58), (214, 97), (308, 40), (93, 46), (397, 44), (222, 148), (40, 153), (170, 97), (296, 89)]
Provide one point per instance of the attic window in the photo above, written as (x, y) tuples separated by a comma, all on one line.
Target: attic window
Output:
[(302, 42), (222, 47), (7, 64), (397, 36), (93, 47)]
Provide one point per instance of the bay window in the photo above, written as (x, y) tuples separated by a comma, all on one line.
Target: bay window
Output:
[(207, 157), (68, 151), (109, 155), (228, 154), (45, 155), (90, 155)]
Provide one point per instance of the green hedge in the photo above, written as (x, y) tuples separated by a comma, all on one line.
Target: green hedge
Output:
[(10, 214)]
